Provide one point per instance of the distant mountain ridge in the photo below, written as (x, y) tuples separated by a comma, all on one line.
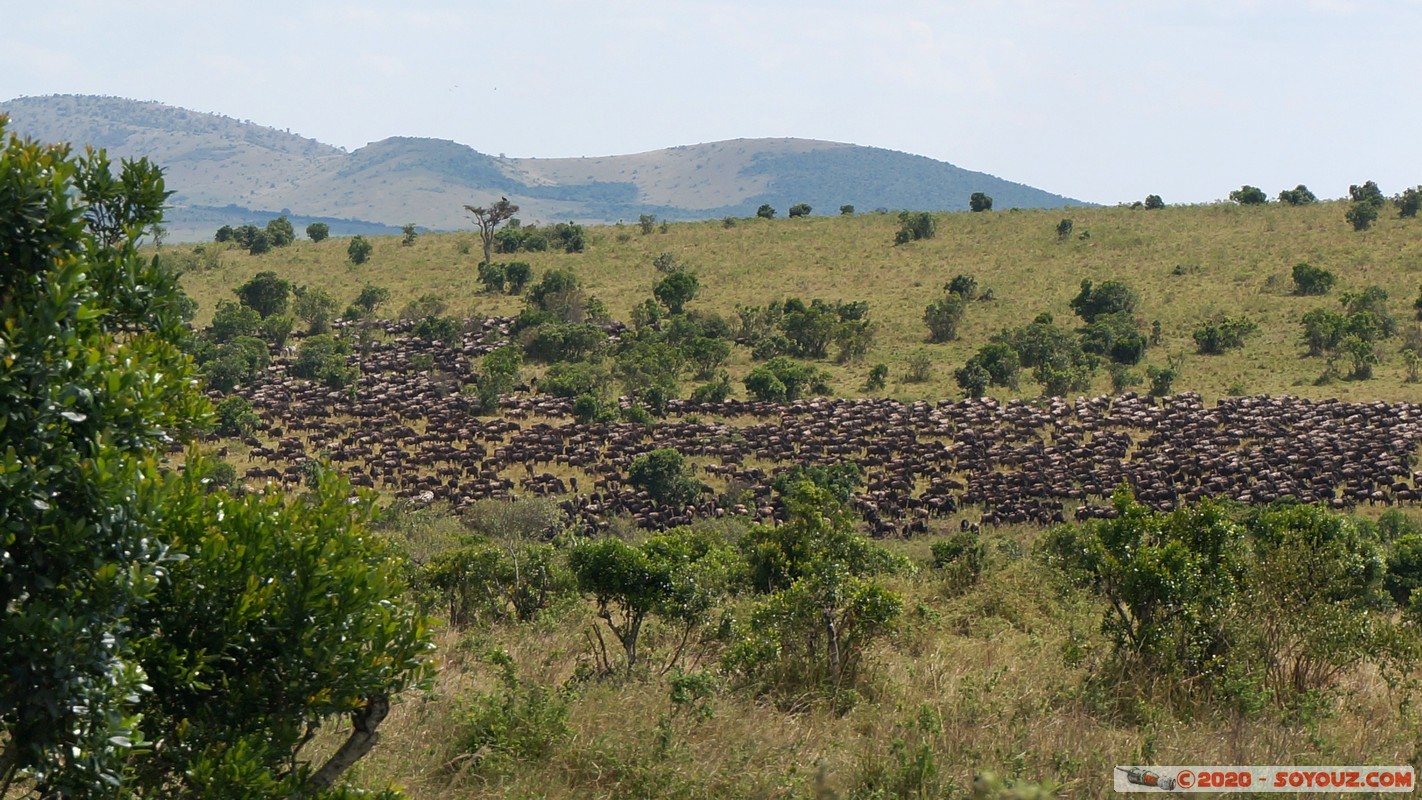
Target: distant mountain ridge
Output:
[(228, 171)]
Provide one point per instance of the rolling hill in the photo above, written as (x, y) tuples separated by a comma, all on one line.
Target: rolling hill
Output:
[(228, 171)]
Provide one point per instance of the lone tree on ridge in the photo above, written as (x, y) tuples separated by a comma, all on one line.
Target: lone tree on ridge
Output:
[(490, 217)]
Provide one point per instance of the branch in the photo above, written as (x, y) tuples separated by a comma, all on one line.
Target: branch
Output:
[(363, 737)]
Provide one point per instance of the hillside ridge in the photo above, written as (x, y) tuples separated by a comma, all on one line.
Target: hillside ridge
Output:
[(218, 162)]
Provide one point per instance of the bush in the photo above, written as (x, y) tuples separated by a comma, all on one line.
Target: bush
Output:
[(1361, 215), (235, 417), (1218, 336), (942, 317), (714, 391), (1153, 202), (265, 293), (518, 274), (666, 476), (558, 341), (878, 378), (1311, 280), (493, 277), (316, 307), (1111, 297), (1297, 196), (676, 290), (1064, 230), (800, 210), (965, 286), (979, 202), (765, 211), (572, 379), (1247, 195), (280, 232), (1368, 193), (447, 331), (318, 231), (1409, 202), (1162, 380), (646, 222), (822, 607), (782, 378), (521, 722), (1115, 336), (846, 210), (919, 367), (914, 226), (323, 358), (358, 251), (972, 378), (232, 320)]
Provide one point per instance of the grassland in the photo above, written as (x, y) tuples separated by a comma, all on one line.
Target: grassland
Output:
[(1189, 264)]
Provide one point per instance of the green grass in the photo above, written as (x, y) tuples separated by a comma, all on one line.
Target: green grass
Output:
[(1233, 260)]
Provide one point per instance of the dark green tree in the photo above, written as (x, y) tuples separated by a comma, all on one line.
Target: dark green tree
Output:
[(265, 293), (318, 231), (410, 234), (980, 202), (915, 225), (1153, 202), (1311, 280), (358, 251), (800, 210), (1111, 297), (1409, 202), (766, 211), (676, 290), (1247, 195), (942, 317), (846, 210), (280, 232), (1297, 196), (1064, 230), (1367, 193), (1361, 215), (666, 476)]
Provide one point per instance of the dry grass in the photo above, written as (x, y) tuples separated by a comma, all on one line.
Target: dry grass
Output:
[(995, 678), (1234, 261)]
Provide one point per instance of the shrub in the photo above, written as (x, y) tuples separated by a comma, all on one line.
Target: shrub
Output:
[(1247, 195), (765, 211), (1064, 230), (972, 378), (316, 307), (493, 276), (1409, 202), (232, 320), (1111, 297), (878, 377), (919, 367), (557, 341), (1153, 202), (1115, 336), (235, 417), (646, 222), (980, 202), (485, 582), (965, 286), (447, 331), (1361, 215), (666, 476), (1311, 280), (265, 293), (782, 378), (914, 226), (280, 232), (519, 722), (1218, 336), (676, 290), (846, 210), (323, 358), (1297, 196), (822, 607), (942, 317), (1368, 193), (713, 391), (572, 379), (518, 274), (1162, 380), (318, 231), (359, 250), (800, 210)]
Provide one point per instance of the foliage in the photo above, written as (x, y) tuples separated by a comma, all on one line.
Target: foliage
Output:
[(942, 317), (265, 293), (800, 210), (235, 417), (821, 606), (498, 375), (1368, 193), (965, 286), (676, 290), (838, 480), (1247, 195), (246, 659), (1111, 297), (1218, 336), (1409, 202), (1324, 330), (782, 378), (239, 361), (878, 377), (649, 368), (559, 292), (1153, 202), (1064, 230), (490, 217), (1297, 196), (232, 320), (518, 274), (318, 231), (409, 234), (846, 210), (493, 580), (1000, 362), (371, 297), (323, 359), (448, 331), (914, 226), (646, 223), (918, 367), (766, 211), (359, 249), (979, 202), (522, 721), (316, 307), (972, 378), (571, 379), (493, 277), (1311, 280), (1115, 336), (716, 390), (556, 341), (1361, 215), (1162, 380), (86, 408), (666, 476), (280, 232)]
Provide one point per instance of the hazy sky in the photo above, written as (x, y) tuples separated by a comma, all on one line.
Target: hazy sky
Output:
[(1104, 101)]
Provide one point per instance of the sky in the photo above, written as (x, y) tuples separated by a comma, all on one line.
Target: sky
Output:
[(1102, 101)]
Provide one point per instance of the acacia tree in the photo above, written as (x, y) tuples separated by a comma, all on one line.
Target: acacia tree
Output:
[(490, 217)]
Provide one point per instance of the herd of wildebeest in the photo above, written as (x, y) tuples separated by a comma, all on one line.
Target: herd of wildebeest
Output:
[(967, 463)]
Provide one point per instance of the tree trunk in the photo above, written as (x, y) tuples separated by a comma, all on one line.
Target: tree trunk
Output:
[(363, 737)]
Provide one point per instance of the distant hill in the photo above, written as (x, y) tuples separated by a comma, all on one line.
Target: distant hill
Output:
[(228, 171)]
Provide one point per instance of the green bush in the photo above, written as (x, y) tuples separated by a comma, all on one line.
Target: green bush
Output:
[(519, 722), (323, 358), (914, 226), (235, 417), (359, 250), (781, 379), (1311, 280), (666, 476), (942, 317), (1219, 336), (979, 202)]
